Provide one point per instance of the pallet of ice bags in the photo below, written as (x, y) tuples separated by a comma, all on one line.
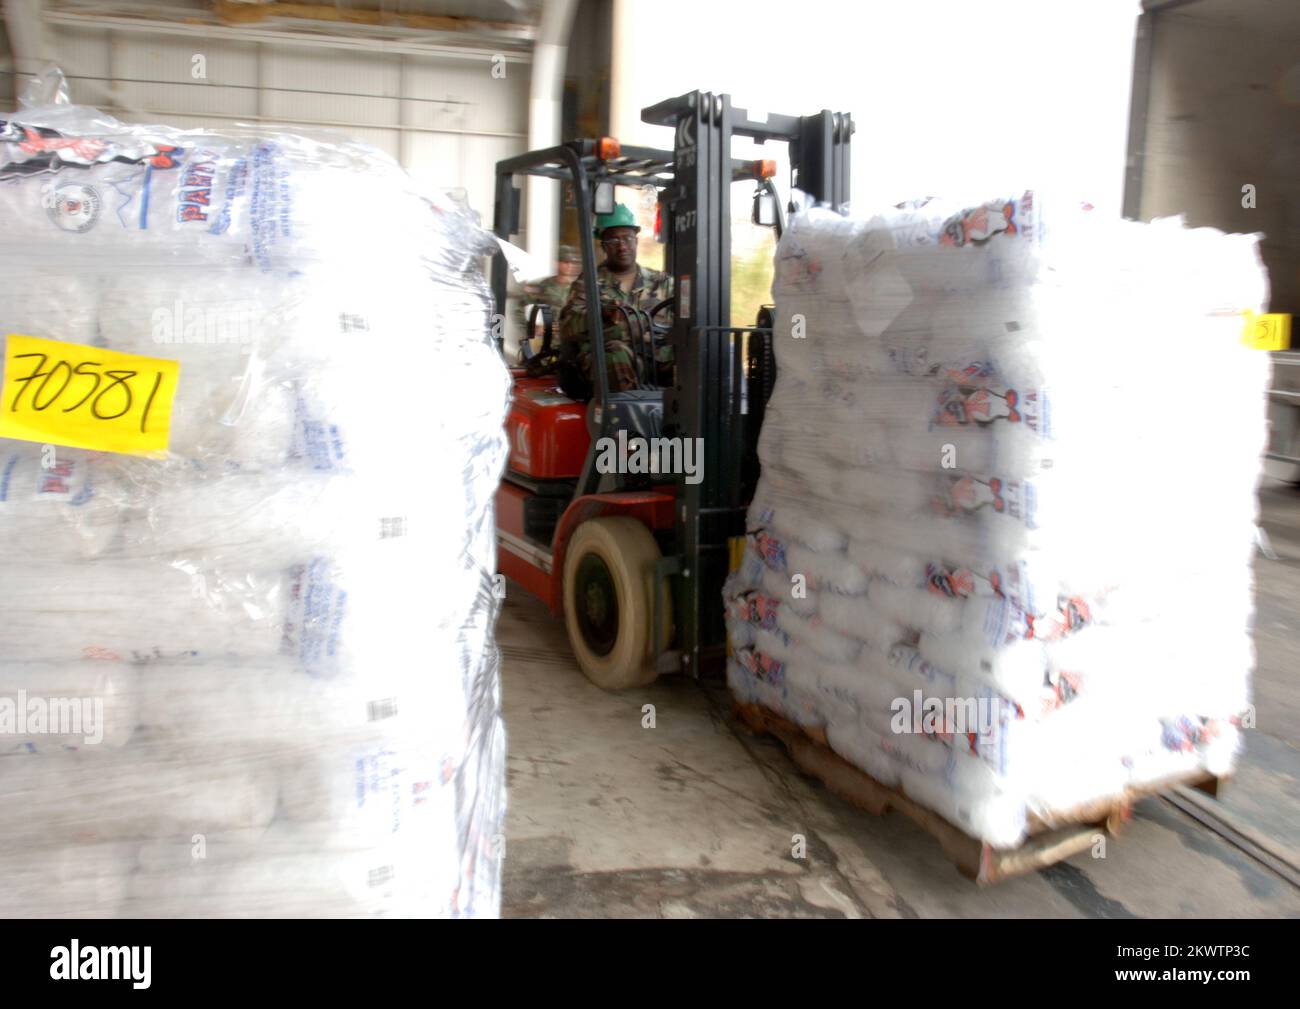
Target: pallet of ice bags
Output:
[(281, 634), (976, 490)]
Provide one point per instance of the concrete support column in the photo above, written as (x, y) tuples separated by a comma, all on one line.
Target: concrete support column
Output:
[(544, 109)]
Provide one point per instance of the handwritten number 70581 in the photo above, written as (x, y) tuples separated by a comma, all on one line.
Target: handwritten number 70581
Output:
[(119, 380)]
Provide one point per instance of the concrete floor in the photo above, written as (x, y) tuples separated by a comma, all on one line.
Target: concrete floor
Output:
[(696, 817)]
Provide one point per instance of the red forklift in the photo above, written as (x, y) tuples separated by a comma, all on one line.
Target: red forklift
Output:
[(635, 561)]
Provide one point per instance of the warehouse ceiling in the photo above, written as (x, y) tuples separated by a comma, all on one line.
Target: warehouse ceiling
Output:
[(1274, 17), (412, 13), (507, 23)]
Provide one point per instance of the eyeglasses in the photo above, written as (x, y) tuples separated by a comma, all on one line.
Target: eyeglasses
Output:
[(625, 240)]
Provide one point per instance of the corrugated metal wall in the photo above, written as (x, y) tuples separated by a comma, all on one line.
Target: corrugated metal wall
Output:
[(1224, 113), (447, 119)]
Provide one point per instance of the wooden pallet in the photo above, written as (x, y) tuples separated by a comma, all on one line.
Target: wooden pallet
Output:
[(1051, 839)]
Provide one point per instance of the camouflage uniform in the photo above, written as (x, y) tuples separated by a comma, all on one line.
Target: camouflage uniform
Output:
[(648, 289), (551, 291)]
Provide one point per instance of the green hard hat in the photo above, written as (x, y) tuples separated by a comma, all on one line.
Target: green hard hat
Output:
[(620, 218)]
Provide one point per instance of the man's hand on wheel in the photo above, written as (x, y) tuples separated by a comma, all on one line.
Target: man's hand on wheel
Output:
[(611, 314)]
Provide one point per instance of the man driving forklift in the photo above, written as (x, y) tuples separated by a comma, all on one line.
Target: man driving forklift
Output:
[(622, 284)]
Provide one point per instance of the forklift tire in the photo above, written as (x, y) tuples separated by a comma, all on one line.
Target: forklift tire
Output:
[(609, 570)]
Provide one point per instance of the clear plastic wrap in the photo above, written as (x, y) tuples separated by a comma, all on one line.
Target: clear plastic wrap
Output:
[(984, 484), (278, 639)]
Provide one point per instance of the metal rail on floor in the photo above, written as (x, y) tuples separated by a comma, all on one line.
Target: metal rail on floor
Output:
[(1210, 815)]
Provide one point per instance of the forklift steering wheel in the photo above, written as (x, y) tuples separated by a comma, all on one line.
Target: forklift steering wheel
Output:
[(547, 360)]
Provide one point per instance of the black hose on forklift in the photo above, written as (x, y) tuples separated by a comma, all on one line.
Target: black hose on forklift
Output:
[(645, 341), (642, 350)]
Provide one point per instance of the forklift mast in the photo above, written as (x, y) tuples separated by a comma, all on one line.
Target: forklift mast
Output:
[(723, 374), (710, 399)]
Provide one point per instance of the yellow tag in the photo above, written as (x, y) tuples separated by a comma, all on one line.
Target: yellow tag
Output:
[(84, 397), (736, 552), (1268, 332), (735, 558)]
